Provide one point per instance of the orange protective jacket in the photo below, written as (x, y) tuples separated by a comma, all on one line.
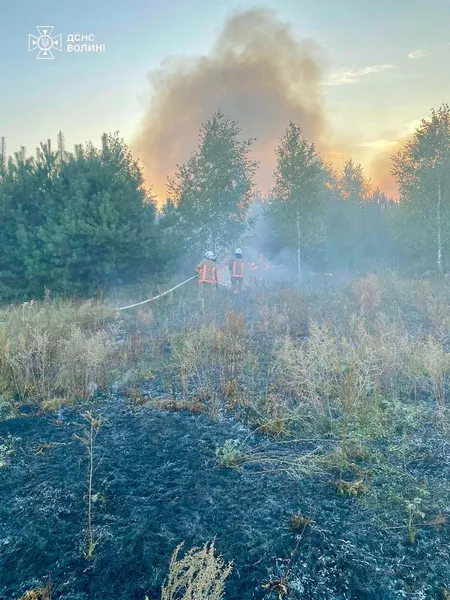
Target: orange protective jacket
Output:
[(207, 271), (237, 266)]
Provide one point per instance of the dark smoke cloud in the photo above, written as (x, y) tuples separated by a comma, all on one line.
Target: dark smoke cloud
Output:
[(258, 73)]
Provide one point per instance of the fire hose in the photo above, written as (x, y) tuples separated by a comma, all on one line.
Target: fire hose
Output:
[(158, 296), (164, 293)]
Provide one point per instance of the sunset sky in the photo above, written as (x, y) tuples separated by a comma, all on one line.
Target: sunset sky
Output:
[(384, 66)]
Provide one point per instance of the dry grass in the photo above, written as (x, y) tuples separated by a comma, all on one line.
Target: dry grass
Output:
[(387, 364), (194, 357), (211, 357), (174, 406), (367, 295), (39, 593), (296, 377), (54, 351), (281, 460), (58, 352), (199, 575), (436, 366), (232, 344)]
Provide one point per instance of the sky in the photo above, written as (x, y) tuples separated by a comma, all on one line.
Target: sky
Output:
[(385, 66)]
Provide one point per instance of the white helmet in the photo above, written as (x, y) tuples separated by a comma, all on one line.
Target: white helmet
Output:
[(238, 251), (209, 255)]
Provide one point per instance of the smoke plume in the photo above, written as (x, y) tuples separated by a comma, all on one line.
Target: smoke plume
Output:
[(257, 73)]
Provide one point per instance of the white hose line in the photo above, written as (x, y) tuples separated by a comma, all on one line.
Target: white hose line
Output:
[(168, 292), (159, 295)]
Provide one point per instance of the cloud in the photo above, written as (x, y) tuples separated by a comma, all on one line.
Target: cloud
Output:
[(412, 126), (408, 75), (419, 54), (334, 154), (354, 75), (385, 145)]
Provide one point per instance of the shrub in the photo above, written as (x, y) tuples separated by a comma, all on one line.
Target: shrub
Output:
[(229, 455), (200, 575)]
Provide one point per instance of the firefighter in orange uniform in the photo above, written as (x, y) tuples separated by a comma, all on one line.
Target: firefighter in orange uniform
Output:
[(207, 273), (236, 267)]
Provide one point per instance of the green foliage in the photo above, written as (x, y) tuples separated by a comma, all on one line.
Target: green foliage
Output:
[(74, 223), (299, 192), (77, 223), (229, 455), (414, 513), (332, 221), (422, 170), (7, 450), (171, 231), (212, 190), (353, 184)]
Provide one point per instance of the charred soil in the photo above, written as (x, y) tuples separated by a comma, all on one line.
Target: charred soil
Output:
[(157, 483)]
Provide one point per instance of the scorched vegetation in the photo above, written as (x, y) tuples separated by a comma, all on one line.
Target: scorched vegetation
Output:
[(304, 432)]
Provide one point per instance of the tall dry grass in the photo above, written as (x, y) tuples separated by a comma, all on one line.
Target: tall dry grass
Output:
[(285, 355), (55, 349)]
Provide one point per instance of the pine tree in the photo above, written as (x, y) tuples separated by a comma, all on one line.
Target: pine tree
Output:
[(3, 157), (61, 146), (348, 222), (75, 225)]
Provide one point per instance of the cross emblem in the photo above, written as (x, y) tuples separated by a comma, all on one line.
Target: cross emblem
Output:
[(45, 43)]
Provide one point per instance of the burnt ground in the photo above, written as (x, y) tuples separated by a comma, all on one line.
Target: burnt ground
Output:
[(159, 483)]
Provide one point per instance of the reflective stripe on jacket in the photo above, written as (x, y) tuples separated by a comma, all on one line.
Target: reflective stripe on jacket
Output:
[(207, 271), (237, 268)]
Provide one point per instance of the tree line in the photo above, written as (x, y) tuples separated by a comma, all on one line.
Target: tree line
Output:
[(77, 222)]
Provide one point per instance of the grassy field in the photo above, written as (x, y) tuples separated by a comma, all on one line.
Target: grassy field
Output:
[(305, 430)]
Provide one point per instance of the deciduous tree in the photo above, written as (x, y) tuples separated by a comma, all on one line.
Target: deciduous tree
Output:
[(212, 190), (299, 193), (422, 171)]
